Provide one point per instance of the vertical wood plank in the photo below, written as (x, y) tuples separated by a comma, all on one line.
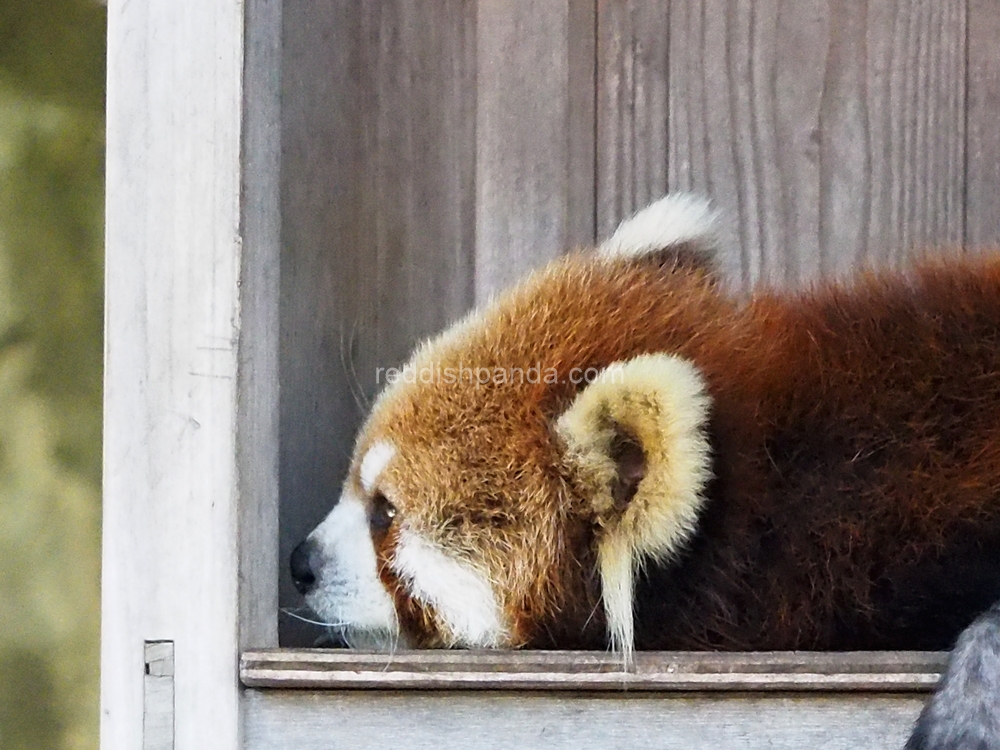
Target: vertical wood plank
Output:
[(378, 223), (632, 113), (831, 132), (257, 351), (983, 195), (190, 388), (918, 143), (534, 135)]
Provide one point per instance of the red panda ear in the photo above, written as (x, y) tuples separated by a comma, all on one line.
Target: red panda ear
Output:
[(677, 231), (636, 441)]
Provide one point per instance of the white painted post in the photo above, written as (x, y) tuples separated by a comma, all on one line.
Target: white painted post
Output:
[(190, 493)]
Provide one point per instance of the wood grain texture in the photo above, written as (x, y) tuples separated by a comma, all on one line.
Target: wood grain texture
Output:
[(534, 135), (182, 376), (588, 670), (632, 108), (305, 720), (377, 201), (982, 207), (257, 347), (831, 132)]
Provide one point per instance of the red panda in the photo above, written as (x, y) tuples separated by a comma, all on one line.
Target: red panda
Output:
[(621, 451)]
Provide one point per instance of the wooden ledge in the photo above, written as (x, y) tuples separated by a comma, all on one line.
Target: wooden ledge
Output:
[(870, 671)]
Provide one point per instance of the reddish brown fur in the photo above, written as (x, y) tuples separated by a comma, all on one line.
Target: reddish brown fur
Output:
[(857, 501), (856, 439)]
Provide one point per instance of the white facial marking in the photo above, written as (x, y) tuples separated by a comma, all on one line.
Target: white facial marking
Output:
[(672, 220), (374, 463), (461, 595), (349, 594)]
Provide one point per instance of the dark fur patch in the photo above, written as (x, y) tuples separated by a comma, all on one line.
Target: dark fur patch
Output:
[(631, 462), (857, 499)]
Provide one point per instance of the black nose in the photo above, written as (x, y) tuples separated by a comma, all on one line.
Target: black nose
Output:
[(302, 572)]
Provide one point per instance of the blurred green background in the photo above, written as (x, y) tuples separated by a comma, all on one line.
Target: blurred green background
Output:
[(52, 55)]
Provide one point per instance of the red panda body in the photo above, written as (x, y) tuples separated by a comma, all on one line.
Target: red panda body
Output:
[(816, 470), (856, 451)]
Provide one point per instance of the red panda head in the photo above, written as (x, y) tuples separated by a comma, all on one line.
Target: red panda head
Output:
[(508, 485)]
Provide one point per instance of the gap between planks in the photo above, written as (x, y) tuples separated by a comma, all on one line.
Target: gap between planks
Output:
[(875, 671)]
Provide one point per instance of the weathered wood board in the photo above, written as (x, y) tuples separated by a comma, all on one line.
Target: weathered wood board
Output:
[(534, 135), (191, 382), (832, 133), (327, 720), (569, 699), (677, 671)]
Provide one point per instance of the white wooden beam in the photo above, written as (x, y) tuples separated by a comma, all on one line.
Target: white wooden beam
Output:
[(190, 501)]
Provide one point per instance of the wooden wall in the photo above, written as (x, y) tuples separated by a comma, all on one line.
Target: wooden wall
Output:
[(433, 152), (831, 131)]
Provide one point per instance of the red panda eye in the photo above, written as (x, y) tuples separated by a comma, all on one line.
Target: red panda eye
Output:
[(382, 513)]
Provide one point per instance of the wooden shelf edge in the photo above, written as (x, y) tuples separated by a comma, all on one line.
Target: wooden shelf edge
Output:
[(873, 671)]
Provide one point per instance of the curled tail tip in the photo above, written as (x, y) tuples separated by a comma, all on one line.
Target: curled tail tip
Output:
[(675, 219)]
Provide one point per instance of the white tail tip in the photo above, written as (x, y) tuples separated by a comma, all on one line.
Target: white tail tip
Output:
[(674, 219)]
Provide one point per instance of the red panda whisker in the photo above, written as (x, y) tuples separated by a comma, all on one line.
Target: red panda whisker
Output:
[(323, 623)]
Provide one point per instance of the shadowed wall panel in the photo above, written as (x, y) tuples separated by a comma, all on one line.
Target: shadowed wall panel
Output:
[(432, 154), (378, 222)]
